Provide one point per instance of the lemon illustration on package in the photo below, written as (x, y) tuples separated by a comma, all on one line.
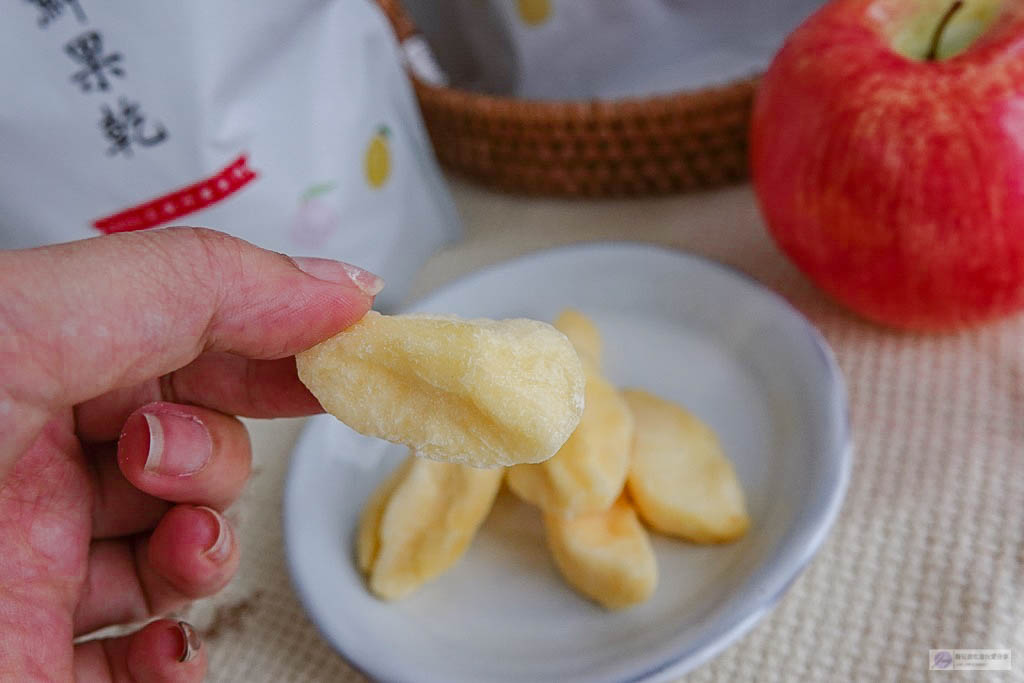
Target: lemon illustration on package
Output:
[(534, 12), (378, 158)]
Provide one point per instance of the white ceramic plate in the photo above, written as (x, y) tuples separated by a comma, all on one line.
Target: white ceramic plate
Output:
[(685, 328)]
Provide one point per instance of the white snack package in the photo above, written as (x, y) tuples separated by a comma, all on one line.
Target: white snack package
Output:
[(289, 124)]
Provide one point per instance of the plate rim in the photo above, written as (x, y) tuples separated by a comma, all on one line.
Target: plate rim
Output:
[(831, 489)]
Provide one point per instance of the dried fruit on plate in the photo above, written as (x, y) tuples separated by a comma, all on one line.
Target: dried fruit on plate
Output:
[(606, 556), (588, 472), (680, 481), (420, 521), (583, 334)]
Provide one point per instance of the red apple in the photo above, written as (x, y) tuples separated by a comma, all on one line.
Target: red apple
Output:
[(887, 151)]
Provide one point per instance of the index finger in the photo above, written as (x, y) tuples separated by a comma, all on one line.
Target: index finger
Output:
[(83, 318)]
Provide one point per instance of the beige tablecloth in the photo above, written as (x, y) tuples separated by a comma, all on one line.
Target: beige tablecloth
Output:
[(928, 551)]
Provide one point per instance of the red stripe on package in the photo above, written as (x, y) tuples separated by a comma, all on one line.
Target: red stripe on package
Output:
[(169, 207)]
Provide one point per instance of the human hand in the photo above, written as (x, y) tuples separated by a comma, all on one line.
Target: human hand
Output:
[(122, 361)]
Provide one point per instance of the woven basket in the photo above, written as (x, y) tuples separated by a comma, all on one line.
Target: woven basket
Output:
[(619, 148)]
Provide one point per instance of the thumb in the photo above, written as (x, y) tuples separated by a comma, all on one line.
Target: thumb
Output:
[(82, 318)]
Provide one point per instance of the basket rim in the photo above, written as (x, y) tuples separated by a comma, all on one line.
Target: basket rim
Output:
[(641, 145), (714, 94), (405, 28)]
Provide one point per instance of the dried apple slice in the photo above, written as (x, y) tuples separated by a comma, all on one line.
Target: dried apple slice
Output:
[(680, 481), (606, 556), (587, 474), (480, 392), (589, 471), (583, 334), (420, 521)]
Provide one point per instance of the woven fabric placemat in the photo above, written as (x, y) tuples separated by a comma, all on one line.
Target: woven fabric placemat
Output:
[(928, 550)]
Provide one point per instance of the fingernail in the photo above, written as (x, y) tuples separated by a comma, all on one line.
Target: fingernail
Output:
[(340, 273), (219, 550), (365, 280), (179, 444), (190, 642)]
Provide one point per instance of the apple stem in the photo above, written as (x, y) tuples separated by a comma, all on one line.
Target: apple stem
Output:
[(933, 49)]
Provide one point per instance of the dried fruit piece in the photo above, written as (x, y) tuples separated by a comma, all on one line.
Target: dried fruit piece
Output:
[(680, 481), (583, 334), (367, 541), (587, 474), (607, 556), (480, 392), (420, 521)]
